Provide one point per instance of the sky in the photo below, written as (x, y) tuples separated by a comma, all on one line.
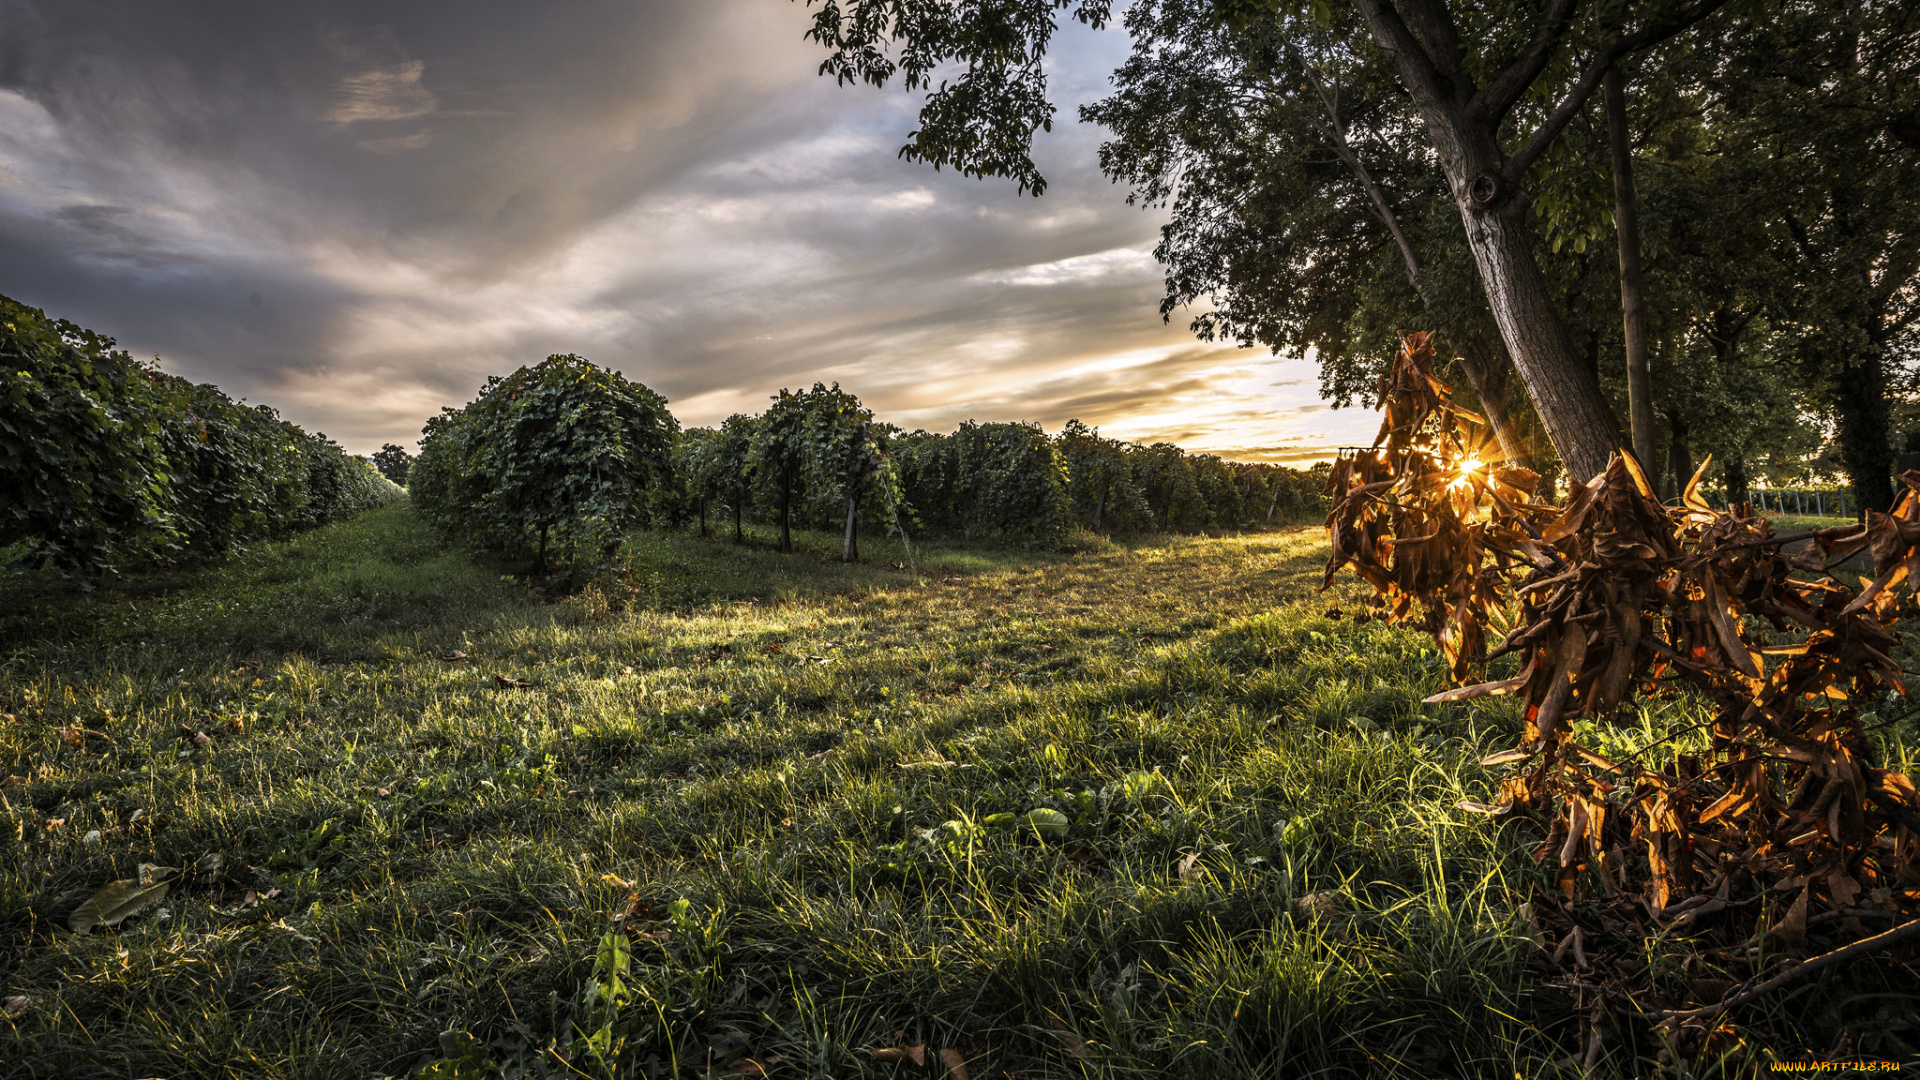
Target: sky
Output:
[(356, 212)]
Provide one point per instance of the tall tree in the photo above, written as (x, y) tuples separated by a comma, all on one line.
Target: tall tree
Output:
[(1633, 302), (1473, 74), (1830, 94)]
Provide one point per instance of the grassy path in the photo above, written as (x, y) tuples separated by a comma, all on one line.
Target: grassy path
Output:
[(1232, 850)]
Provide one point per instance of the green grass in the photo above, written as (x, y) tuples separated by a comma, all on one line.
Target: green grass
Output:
[(813, 758)]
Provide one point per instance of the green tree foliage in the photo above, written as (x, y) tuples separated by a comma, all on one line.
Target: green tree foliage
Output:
[(108, 464), (394, 462), (83, 470), (1100, 480), (1012, 483), (847, 461), (732, 467), (561, 451), (693, 459), (1820, 101), (780, 455)]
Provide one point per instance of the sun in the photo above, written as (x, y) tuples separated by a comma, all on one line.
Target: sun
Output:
[(1467, 466)]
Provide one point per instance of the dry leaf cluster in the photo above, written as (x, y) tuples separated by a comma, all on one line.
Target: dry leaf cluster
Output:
[(1615, 594)]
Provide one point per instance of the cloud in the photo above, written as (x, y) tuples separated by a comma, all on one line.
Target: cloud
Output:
[(390, 93), (358, 211)]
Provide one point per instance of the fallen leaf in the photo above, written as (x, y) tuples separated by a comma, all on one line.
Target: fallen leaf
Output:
[(1185, 866), (121, 899), (822, 755), (504, 682), (201, 738), (13, 781), (897, 1054), (956, 1063), (453, 656), (1320, 905), (13, 1005)]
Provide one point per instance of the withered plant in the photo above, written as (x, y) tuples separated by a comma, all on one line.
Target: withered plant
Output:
[(1615, 595)]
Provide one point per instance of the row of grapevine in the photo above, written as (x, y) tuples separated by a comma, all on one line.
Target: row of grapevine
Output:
[(561, 453), (564, 453), (107, 464), (1004, 482)]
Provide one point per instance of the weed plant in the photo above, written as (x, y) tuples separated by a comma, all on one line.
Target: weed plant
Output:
[(1145, 811)]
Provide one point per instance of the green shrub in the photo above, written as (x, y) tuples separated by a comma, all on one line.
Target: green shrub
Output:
[(106, 463), (562, 453)]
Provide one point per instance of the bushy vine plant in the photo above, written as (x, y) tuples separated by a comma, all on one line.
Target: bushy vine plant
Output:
[(108, 464), (558, 454)]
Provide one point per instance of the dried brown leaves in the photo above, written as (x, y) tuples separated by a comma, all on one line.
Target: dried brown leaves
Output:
[(1615, 594)]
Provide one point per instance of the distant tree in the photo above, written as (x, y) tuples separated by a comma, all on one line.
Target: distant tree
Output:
[(731, 460), (1826, 97), (928, 469), (693, 456), (558, 448), (780, 456), (1012, 483), (846, 458), (1099, 479), (394, 463)]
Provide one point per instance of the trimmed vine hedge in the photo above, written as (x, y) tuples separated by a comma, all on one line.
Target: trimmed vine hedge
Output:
[(561, 454), (108, 464)]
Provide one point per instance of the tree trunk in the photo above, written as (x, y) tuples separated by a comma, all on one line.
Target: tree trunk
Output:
[(1565, 394), (1486, 372), (540, 558), (702, 503), (1633, 312), (1734, 466), (739, 535), (850, 550), (786, 506), (1860, 397), (1679, 454)]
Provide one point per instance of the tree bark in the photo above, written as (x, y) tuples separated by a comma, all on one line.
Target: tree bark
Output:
[(1860, 397), (1485, 371), (1679, 454), (786, 506), (1633, 311), (739, 535), (1734, 466), (850, 550)]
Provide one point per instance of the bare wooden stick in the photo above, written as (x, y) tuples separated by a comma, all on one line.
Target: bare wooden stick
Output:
[(1905, 930)]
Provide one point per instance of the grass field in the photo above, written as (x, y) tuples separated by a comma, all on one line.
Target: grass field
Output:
[(1143, 811)]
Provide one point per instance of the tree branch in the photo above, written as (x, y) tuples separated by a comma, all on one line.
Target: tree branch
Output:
[(1438, 39), (1491, 104), (1875, 943), (1648, 36), (1342, 149), (1390, 34)]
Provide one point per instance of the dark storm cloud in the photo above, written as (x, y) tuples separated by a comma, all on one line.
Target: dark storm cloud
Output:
[(358, 211)]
